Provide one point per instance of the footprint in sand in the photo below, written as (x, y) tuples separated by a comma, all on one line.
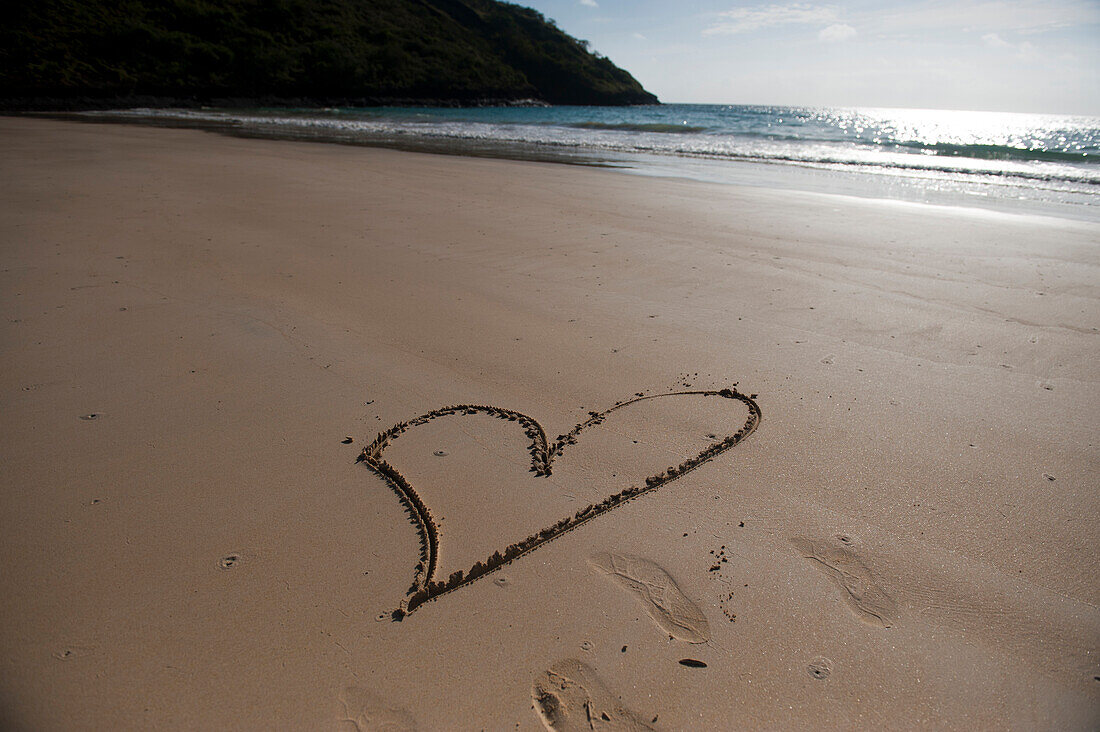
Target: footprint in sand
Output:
[(843, 566), (571, 697), (657, 591), (367, 712)]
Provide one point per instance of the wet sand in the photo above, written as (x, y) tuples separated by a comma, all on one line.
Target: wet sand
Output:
[(904, 534)]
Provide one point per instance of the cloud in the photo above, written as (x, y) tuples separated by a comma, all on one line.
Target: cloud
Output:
[(590, 3), (1025, 50), (1028, 52), (836, 32), (744, 20), (639, 36), (989, 16)]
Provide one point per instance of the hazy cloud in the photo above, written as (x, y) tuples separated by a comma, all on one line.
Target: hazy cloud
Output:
[(836, 32), (1028, 52), (590, 3), (914, 17), (1019, 16), (743, 20), (639, 36), (1025, 50)]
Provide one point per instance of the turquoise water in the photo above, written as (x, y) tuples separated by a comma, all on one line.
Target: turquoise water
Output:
[(1017, 161)]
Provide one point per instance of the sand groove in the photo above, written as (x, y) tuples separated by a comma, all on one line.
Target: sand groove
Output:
[(571, 697), (659, 594), (543, 453), (843, 566)]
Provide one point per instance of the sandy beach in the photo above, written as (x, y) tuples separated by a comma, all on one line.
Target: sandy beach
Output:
[(904, 534)]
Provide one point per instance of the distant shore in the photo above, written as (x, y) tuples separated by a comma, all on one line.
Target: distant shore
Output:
[(890, 524), (87, 103)]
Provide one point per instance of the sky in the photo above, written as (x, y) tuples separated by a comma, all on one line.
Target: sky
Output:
[(996, 55)]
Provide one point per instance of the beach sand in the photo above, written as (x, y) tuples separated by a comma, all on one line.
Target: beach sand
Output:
[(192, 324)]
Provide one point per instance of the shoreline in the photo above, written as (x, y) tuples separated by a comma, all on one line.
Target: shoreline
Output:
[(195, 325), (867, 182)]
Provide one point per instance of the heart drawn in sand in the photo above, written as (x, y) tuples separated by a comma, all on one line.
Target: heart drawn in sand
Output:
[(425, 587)]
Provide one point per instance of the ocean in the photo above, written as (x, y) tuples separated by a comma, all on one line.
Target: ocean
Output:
[(1028, 163)]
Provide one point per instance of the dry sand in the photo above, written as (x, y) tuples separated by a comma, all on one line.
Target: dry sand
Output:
[(909, 538)]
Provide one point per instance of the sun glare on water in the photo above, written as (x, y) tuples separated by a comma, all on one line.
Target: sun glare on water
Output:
[(936, 129)]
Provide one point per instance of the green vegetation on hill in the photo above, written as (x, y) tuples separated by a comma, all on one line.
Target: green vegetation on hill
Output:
[(322, 51)]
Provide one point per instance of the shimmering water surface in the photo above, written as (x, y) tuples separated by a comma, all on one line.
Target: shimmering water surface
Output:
[(1027, 162)]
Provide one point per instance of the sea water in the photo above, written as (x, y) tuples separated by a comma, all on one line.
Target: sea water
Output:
[(1033, 163)]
